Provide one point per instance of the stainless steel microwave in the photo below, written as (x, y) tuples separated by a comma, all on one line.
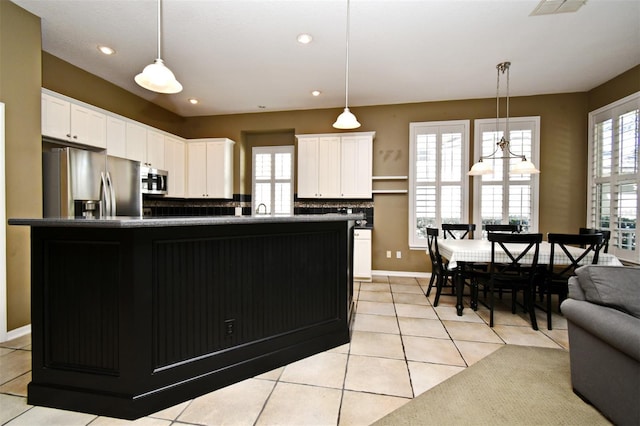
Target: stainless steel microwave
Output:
[(153, 181)]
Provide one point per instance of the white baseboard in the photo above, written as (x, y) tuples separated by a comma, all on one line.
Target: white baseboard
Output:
[(15, 333), (402, 274)]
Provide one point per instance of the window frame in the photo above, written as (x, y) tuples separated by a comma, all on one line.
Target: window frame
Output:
[(273, 150), (613, 111), (515, 124), (416, 243)]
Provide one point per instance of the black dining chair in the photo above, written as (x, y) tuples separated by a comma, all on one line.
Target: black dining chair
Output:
[(576, 247), (458, 231), (606, 236), (440, 273), (508, 273), (497, 227)]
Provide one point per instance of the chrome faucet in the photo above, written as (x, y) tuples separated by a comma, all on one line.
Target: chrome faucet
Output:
[(261, 205)]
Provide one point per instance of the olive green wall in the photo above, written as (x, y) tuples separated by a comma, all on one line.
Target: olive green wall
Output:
[(20, 53), (69, 80), (623, 85)]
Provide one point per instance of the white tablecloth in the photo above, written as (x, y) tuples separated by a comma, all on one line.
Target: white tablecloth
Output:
[(480, 251)]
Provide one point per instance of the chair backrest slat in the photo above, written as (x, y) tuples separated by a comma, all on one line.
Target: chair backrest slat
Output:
[(606, 236), (458, 230), (434, 251), (502, 241), (588, 243), (496, 227)]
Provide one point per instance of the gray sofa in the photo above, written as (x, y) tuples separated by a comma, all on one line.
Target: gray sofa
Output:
[(603, 313)]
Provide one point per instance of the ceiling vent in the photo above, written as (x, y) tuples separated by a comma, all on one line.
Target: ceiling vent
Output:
[(550, 7)]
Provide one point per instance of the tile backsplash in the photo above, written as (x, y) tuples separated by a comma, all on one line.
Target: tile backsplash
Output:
[(191, 207)]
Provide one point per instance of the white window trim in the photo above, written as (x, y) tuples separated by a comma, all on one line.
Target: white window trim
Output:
[(414, 243), (611, 109), (535, 159), (289, 149)]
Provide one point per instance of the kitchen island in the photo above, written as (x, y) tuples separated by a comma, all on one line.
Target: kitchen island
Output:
[(134, 315)]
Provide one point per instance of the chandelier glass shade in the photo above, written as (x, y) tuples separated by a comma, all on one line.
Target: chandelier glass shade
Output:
[(503, 150), (347, 120), (156, 76)]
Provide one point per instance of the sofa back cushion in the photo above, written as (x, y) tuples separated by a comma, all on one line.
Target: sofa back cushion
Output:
[(617, 287)]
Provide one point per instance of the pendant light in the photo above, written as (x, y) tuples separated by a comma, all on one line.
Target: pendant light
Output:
[(156, 76), (524, 167), (347, 120)]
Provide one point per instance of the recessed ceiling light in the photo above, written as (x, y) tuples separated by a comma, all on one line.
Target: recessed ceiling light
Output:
[(304, 38), (106, 50), (193, 101), (316, 93)]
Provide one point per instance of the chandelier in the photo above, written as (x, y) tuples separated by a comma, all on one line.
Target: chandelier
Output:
[(503, 150)]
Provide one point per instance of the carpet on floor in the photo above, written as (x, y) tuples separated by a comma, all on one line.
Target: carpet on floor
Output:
[(515, 385)]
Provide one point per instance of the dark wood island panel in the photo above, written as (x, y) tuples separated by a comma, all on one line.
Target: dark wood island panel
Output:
[(129, 320)]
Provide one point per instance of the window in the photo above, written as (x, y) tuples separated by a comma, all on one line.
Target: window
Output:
[(502, 197), (613, 201), (438, 177), (273, 180)]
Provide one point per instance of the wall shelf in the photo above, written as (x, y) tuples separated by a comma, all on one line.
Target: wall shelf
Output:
[(389, 177), (389, 191)]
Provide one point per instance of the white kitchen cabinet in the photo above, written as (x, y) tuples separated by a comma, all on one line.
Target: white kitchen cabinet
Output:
[(175, 163), (136, 136), (356, 166), (319, 167), (116, 137), (335, 165), (155, 150), (210, 168), (71, 122), (362, 254), (145, 146)]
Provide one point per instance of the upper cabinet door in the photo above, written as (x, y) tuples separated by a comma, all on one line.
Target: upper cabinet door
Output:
[(56, 117), (356, 166), (136, 143), (88, 127), (155, 150), (197, 170), (329, 167), (308, 167), (174, 163), (116, 137)]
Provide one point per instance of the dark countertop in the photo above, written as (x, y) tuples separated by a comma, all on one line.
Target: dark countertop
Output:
[(145, 222)]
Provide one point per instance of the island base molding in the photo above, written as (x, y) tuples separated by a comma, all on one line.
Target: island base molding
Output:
[(129, 321)]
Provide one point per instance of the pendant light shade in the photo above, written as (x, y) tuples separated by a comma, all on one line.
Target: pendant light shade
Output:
[(347, 120), (156, 76)]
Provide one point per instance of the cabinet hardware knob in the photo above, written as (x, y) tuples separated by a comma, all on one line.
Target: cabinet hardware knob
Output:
[(68, 135), (75, 136)]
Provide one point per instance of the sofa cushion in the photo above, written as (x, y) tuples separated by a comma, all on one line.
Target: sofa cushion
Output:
[(615, 286)]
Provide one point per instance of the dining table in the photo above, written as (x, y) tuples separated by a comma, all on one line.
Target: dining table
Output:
[(459, 252)]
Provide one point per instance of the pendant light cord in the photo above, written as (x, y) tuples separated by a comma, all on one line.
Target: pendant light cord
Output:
[(346, 97), (159, 28)]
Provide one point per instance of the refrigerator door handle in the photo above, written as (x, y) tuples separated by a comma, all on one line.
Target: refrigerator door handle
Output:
[(112, 195), (106, 198)]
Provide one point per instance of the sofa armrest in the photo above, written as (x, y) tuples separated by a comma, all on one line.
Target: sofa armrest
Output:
[(614, 327)]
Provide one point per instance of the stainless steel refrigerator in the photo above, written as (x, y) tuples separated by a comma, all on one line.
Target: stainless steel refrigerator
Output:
[(80, 183)]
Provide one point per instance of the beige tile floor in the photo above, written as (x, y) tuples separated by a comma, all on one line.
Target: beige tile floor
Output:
[(401, 346)]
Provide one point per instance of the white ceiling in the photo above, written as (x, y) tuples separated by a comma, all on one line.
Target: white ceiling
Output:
[(237, 55)]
